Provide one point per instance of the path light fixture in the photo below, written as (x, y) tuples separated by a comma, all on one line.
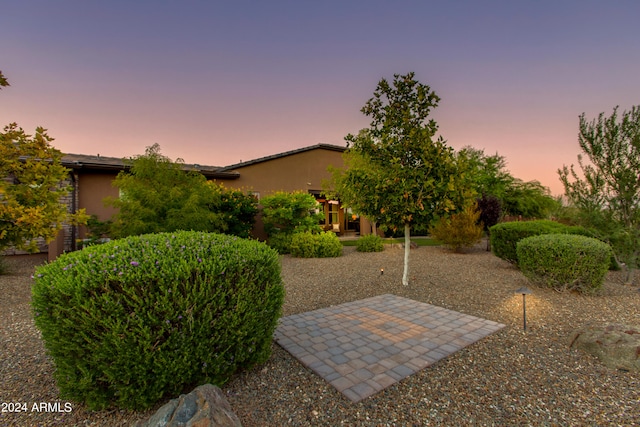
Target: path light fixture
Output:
[(381, 271), (524, 291)]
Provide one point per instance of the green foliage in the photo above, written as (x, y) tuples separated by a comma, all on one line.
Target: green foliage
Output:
[(485, 174), (281, 242), (528, 200), (370, 243), (396, 172), (159, 195), (131, 321), (488, 175), (238, 210), (460, 230), (315, 245), (31, 189), (284, 212), (607, 193), (564, 262), (505, 236)]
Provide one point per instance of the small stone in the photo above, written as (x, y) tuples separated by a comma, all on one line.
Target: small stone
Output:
[(205, 406)]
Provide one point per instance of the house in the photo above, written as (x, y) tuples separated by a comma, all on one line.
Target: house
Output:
[(302, 169)]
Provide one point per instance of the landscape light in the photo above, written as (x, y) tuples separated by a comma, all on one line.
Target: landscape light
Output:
[(524, 291)]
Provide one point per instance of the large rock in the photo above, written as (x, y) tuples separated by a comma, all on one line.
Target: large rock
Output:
[(616, 345), (205, 406)]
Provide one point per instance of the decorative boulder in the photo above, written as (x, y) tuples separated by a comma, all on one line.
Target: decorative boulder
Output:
[(412, 245), (205, 406), (616, 345)]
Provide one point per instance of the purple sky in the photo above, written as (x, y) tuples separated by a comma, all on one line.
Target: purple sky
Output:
[(217, 82)]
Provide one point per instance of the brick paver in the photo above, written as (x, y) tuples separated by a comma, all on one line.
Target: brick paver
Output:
[(364, 346)]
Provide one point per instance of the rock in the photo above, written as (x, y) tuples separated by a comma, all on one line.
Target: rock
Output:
[(616, 345), (205, 406), (412, 245)]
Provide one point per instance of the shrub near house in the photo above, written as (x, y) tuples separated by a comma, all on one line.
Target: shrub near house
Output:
[(136, 319)]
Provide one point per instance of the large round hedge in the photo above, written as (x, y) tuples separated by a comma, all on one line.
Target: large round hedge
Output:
[(506, 235), (133, 320), (564, 261)]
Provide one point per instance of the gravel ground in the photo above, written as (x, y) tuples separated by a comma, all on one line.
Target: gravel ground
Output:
[(509, 378)]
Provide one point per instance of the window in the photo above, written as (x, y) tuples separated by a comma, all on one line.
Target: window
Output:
[(333, 212)]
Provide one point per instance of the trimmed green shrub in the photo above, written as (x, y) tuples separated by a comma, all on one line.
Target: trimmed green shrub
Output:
[(564, 261), (329, 245), (460, 230), (319, 245), (370, 243), (137, 319), (281, 242), (505, 236)]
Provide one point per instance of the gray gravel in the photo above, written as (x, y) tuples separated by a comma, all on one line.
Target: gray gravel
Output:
[(509, 378)]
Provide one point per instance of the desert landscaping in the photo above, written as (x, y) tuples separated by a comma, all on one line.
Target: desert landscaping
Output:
[(512, 377)]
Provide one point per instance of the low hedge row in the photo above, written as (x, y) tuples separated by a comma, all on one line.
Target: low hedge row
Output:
[(505, 236), (564, 261), (131, 321)]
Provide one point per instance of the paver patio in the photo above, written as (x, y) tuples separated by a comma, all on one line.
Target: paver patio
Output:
[(364, 346)]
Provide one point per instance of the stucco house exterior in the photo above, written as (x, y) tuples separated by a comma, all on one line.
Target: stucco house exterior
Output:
[(303, 169)]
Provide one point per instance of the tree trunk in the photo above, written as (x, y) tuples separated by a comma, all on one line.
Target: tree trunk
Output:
[(407, 248), (374, 228), (630, 275)]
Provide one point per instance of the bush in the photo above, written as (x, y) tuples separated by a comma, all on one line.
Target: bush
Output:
[(564, 261), (137, 319), (320, 245), (329, 245), (505, 236), (461, 230), (369, 243), (281, 242), (284, 212)]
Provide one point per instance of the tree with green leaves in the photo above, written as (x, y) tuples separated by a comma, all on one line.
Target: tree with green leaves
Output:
[(284, 212), (159, 195), (31, 189), (488, 175), (607, 193), (397, 172), (529, 199)]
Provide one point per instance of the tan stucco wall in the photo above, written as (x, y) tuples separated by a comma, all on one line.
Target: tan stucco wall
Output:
[(301, 171), (93, 187)]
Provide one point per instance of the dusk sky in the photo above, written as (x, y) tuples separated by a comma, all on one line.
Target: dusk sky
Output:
[(218, 82)]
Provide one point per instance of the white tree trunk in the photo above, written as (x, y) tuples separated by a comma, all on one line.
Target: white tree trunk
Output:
[(407, 248)]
